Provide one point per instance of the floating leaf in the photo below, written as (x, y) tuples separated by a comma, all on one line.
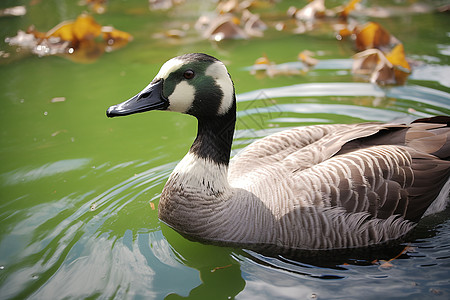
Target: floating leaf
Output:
[(372, 35), (264, 67), (306, 57), (349, 7), (82, 40), (224, 27), (232, 20), (398, 59), (373, 63), (391, 68), (253, 25), (263, 60), (310, 11)]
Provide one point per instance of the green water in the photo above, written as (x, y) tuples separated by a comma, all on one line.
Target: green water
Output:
[(76, 187)]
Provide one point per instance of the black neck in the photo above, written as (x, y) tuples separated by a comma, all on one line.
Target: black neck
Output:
[(215, 136)]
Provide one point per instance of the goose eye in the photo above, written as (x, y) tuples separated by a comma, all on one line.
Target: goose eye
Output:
[(189, 74)]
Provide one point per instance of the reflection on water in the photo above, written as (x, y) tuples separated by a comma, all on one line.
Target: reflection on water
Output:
[(50, 169)]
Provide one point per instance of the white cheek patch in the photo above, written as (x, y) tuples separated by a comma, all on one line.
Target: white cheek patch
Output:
[(219, 72), (168, 67), (182, 97)]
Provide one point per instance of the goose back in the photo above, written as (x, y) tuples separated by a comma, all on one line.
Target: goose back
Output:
[(377, 162)]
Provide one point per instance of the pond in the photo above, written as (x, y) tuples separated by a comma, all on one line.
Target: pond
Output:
[(79, 192)]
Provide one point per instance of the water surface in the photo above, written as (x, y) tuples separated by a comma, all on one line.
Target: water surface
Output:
[(79, 192)]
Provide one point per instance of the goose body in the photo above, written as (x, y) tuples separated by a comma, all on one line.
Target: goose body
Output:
[(315, 188)]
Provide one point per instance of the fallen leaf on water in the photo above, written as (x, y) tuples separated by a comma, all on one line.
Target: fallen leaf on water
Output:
[(223, 27), (310, 11), (263, 60), (171, 33), (349, 7), (231, 20), (373, 63), (83, 29), (224, 7), (306, 57), (253, 25), (382, 56), (391, 68), (306, 16), (82, 40), (372, 35), (398, 59)]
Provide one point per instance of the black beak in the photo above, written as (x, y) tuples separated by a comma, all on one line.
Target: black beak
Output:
[(150, 98)]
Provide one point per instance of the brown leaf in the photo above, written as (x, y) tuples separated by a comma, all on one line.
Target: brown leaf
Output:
[(372, 35), (77, 40), (373, 63), (224, 27)]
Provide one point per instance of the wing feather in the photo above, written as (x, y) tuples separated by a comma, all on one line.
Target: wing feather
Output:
[(363, 168)]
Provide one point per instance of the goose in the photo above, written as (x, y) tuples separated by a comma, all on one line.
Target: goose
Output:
[(319, 187)]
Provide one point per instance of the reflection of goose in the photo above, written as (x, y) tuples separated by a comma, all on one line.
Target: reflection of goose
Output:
[(316, 187)]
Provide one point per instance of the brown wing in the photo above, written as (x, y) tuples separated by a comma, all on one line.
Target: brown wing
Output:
[(398, 171)]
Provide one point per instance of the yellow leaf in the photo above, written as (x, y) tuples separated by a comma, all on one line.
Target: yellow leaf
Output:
[(85, 28), (263, 60), (348, 8), (63, 30), (372, 35), (397, 57), (82, 29)]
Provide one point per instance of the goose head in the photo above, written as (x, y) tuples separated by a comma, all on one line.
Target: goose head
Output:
[(195, 84)]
